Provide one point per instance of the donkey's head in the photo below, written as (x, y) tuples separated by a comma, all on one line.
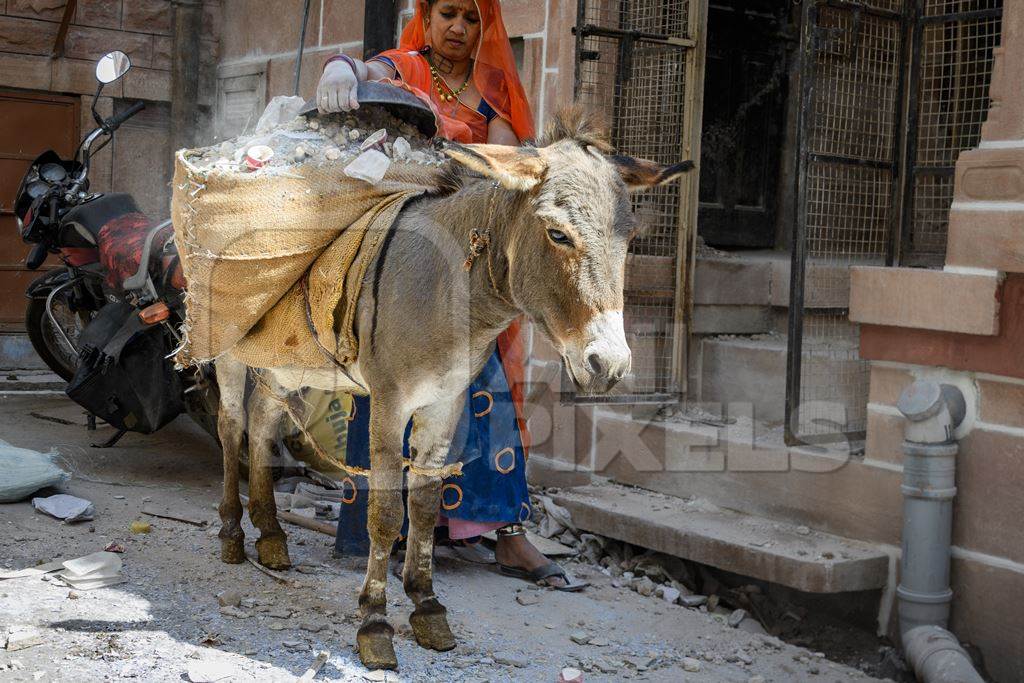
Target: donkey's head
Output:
[(566, 246)]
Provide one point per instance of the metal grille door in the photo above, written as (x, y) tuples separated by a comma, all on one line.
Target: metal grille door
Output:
[(636, 67), (847, 202), (951, 70)]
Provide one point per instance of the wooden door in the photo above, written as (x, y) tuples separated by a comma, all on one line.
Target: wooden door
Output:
[(29, 125)]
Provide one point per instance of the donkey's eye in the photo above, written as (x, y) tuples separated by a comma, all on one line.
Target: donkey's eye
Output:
[(559, 237)]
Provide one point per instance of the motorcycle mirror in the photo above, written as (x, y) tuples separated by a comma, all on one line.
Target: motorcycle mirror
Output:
[(112, 66)]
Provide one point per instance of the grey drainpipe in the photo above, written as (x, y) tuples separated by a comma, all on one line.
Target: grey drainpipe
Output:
[(933, 412)]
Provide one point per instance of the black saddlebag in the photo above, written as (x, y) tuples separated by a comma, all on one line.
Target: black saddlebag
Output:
[(123, 375)]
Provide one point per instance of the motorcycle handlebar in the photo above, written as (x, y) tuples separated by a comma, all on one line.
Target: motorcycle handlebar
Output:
[(114, 122)]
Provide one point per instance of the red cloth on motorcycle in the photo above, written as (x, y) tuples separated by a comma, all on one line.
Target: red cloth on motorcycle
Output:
[(121, 242)]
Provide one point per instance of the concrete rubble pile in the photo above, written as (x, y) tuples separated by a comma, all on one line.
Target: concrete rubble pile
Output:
[(365, 142)]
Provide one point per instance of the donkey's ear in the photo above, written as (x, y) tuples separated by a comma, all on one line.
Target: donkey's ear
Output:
[(640, 174), (516, 168)]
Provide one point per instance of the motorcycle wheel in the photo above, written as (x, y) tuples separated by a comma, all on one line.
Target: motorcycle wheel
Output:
[(47, 341)]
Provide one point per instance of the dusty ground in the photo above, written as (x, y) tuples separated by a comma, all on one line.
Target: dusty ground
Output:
[(165, 618)]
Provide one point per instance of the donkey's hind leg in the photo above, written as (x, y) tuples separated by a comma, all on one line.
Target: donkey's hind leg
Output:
[(431, 439), (384, 524), (231, 430), (265, 415)]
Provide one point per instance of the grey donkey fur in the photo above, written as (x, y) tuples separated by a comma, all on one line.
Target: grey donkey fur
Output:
[(559, 221)]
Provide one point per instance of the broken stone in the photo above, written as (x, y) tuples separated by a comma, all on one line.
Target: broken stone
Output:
[(529, 598), (756, 679), (332, 154), (234, 612), (401, 148), (508, 660), (292, 644), (579, 637), (370, 166), (277, 626), (570, 675), (669, 594), (803, 531), (312, 626), (229, 598), (210, 671), (690, 664), (752, 626), (737, 617), (712, 603), (280, 613), (21, 640), (645, 587), (599, 642)]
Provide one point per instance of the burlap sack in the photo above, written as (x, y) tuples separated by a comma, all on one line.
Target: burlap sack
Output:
[(247, 241)]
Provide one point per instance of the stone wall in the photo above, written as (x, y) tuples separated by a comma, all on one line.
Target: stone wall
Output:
[(139, 160), (965, 324), (255, 33)]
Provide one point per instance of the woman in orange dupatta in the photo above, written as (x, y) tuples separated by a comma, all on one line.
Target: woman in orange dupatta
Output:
[(457, 55)]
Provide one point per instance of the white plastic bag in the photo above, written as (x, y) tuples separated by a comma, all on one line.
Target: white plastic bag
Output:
[(280, 110), (24, 471)]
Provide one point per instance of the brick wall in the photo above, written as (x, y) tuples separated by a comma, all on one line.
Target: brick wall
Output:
[(141, 28)]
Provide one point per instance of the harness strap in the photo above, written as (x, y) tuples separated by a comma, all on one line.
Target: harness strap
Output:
[(452, 470)]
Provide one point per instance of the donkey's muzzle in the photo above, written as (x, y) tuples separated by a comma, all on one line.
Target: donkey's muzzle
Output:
[(605, 359)]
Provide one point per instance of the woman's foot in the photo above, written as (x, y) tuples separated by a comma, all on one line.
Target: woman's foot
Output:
[(516, 551)]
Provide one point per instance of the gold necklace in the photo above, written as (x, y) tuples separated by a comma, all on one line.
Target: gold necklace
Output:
[(441, 85)]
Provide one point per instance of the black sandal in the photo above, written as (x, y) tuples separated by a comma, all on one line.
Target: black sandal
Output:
[(541, 574)]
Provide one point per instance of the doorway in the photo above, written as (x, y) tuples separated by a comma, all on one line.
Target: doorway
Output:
[(745, 93)]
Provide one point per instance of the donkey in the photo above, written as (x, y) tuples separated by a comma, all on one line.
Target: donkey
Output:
[(547, 230)]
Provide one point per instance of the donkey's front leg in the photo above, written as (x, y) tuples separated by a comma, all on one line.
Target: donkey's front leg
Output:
[(431, 439), (384, 524), (265, 415)]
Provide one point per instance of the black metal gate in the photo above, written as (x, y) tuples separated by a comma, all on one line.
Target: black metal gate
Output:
[(951, 70), (868, 194), (847, 203), (635, 66)]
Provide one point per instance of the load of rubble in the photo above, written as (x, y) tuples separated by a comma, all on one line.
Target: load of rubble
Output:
[(366, 142)]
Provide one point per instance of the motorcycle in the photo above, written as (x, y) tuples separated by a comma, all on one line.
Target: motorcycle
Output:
[(107, 321)]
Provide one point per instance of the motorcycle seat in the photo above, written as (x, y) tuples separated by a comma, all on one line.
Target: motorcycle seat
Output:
[(82, 225)]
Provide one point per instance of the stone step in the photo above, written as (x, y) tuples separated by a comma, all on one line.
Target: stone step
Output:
[(762, 278), (30, 380), (758, 547), (753, 370), (16, 352)]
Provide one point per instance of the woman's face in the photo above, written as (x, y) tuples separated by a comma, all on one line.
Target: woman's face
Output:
[(453, 29)]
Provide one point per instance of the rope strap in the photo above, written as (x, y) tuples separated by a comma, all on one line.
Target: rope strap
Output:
[(452, 470)]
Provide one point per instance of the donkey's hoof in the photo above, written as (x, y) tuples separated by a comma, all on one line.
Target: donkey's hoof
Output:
[(273, 552), (232, 550), (376, 646), (430, 626)]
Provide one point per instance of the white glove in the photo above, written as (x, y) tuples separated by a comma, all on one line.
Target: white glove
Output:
[(337, 89)]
